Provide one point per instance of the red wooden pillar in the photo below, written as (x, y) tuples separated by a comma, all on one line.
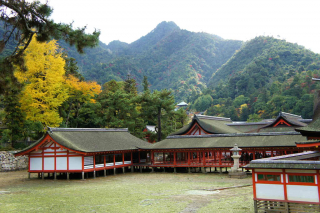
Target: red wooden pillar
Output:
[(114, 159), (30, 164), (254, 184), (271, 152), (220, 154), (82, 163), (318, 182), (189, 157), (284, 184), (175, 158), (55, 157), (204, 158), (67, 160), (123, 158), (104, 160), (254, 155)]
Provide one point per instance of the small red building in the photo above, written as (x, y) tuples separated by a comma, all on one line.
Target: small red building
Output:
[(68, 150), (288, 183)]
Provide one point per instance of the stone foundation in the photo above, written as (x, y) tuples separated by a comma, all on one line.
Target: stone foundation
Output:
[(237, 175), (8, 162)]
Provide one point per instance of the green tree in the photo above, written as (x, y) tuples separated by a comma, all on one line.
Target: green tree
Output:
[(145, 84), (203, 102), (181, 118), (157, 108), (254, 118), (130, 86), (119, 108)]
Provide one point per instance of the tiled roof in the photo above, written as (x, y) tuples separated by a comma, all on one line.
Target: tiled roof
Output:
[(292, 161), (244, 140), (211, 124), (94, 140)]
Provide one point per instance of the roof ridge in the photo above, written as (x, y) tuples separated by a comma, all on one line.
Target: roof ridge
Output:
[(247, 123), (289, 114), (208, 117), (53, 129), (234, 135)]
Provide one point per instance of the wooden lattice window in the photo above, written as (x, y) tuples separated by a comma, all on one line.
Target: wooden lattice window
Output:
[(301, 178), (269, 177)]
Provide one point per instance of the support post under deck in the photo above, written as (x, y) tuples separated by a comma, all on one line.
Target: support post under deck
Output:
[(82, 175), (204, 170)]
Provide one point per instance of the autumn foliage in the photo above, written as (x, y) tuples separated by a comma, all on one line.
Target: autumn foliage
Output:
[(46, 87), (43, 92)]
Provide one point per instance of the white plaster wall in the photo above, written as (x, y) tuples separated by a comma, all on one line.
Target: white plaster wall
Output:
[(302, 193), (49, 163), (195, 132), (75, 163), (270, 191), (202, 132), (61, 163), (35, 163)]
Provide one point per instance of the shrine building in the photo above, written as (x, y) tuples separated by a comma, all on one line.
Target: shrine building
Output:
[(288, 183), (203, 144), (72, 150)]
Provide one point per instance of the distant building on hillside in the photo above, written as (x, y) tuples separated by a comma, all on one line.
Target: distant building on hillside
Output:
[(181, 105)]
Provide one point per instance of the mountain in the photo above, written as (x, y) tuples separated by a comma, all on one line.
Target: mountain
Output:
[(262, 61), (266, 76), (170, 57)]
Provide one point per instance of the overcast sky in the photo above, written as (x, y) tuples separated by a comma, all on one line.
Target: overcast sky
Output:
[(297, 21)]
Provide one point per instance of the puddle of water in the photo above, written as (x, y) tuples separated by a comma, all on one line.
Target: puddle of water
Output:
[(202, 192)]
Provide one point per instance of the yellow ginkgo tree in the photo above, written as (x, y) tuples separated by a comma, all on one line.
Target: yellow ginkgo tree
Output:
[(44, 82)]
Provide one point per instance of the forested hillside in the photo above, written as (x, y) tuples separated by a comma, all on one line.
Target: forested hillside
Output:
[(251, 80), (264, 77), (170, 57)]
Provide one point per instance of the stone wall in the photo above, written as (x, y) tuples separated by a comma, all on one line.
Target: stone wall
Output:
[(8, 162)]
